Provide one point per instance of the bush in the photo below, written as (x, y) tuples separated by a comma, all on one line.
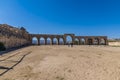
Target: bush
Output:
[(2, 47)]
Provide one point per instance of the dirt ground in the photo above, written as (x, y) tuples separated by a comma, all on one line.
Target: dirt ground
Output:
[(61, 63)]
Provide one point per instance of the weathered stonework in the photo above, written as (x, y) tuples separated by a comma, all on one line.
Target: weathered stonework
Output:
[(15, 37), (88, 40)]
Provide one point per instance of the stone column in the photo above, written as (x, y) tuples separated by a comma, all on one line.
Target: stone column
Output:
[(93, 41), (52, 41), (98, 41), (72, 39), (86, 41), (79, 41), (45, 41), (58, 41), (64, 41), (106, 42), (38, 41)]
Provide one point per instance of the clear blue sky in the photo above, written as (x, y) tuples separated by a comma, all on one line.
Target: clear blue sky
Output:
[(82, 17)]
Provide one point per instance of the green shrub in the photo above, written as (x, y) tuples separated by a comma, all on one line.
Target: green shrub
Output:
[(2, 47)]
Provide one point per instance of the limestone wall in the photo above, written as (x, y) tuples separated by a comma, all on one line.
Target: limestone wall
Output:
[(116, 43), (13, 37)]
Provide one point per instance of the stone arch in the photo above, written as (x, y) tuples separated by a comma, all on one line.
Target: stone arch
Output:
[(49, 41), (34, 40), (96, 41), (82, 41), (55, 41), (69, 39), (42, 41), (102, 41), (61, 41), (76, 41), (90, 41)]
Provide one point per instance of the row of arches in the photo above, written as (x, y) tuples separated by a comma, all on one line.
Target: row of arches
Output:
[(69, 39), (48, 41), (90, 41)]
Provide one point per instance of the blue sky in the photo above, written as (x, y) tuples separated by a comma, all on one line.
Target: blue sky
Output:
[(82, 17)]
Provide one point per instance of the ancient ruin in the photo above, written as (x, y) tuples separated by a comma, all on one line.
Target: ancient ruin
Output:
[(62, 39), (14, 37)]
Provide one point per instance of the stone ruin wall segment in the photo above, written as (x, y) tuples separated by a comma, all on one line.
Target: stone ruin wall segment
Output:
[(14, 37)]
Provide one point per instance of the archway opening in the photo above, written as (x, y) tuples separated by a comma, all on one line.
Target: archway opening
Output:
[(90, 41), (34, 41), (68, 39), (42, 41), (102, 41), (61, 41), (76, 41), (55, 41), (82, 41), (49, 41), (96, 41)]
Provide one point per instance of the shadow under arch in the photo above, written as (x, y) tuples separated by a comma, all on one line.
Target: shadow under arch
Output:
[(96, 41), (90, 41), (102, 41), (69, 39), (61, 41), (55, 41), (82, 41), (76, 41)]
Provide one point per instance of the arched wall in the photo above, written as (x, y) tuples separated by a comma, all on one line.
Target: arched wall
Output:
[(42, 41), (77, 41), (88, 40)]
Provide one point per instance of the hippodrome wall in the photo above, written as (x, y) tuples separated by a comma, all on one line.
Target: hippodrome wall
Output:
[(15, 37), (78, 40)]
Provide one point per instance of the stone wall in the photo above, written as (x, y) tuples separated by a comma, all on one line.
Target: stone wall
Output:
[(115, 43), (13, 37), (81, 40)]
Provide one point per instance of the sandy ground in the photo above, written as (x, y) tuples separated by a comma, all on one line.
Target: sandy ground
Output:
[(61, 63)]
